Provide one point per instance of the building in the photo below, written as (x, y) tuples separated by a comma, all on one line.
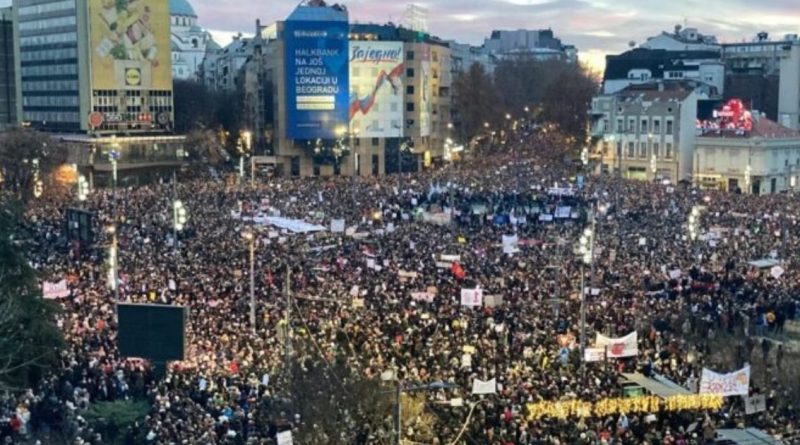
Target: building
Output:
[(682, 39), (221, 66), (189, 42), (376, 100), (646, 131), (96, 70), (463, 56), (760, 157), (540, 44), (759, 56), (642, 65), (8, 88)]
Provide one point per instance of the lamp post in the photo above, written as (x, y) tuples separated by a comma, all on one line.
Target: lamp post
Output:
[(586, 249), (113, 262), (249, 236), (694, 227), (83, 188), (179, 219), (748, 175)]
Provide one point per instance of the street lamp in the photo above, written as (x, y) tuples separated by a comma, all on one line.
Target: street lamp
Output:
[(38, 185), (83, 188), (586, 250), (694, 223), (179, 218), (748, 173), (585, 156), (113, 262), (251, 239)]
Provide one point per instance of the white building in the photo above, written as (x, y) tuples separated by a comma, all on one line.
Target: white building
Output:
[(644, 65), (189, 42), (682, 39), (647, 131), (764, 160)]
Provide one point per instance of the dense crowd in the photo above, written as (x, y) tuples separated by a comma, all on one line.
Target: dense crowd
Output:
[(351, 305)]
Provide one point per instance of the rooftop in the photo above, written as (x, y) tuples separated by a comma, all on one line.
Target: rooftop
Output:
[(181, 7)]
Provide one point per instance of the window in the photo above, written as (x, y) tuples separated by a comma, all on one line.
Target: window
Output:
[(409, 72), (409, 89), (668, 150), (409, 55), (619, 125), (194, 43), (376, 165), (656, 126), (631, 150), (643, 128), (619, 149), (669, 127), (631, 125), (409, 106), (605, 125), (642, 149), (376, 142), (655, 149)]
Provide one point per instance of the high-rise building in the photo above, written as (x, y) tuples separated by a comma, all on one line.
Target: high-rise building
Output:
[(8, 90), (101, 71)]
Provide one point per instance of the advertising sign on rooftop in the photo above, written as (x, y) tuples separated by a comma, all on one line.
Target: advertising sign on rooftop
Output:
[(376, 89)]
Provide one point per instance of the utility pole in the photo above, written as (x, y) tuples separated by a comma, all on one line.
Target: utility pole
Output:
[(288, 320)]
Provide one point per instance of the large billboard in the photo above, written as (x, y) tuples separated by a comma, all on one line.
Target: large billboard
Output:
[(130, 44), (316, 78), (376, 89), (426, 91)]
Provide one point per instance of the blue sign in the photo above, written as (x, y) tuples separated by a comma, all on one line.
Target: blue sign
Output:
[(317, 83)]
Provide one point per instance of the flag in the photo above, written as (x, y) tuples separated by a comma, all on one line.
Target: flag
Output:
[(458, 271)]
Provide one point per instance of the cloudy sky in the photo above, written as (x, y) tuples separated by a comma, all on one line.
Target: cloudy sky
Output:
[(596, 27)]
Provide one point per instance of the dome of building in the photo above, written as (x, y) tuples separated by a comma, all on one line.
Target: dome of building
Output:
[(181, 7)]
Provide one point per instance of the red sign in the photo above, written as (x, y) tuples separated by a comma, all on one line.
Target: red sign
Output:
[(96, 119)]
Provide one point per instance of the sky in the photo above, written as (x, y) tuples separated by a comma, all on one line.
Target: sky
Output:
[(596, 27)]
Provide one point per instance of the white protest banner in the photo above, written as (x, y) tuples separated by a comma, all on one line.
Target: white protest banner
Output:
[(443, 265), (285, 438), (52, 291), (618, 347), (484, 387), (755, 404), (675, 274), (545, 217), (776, 272), (594, 354), (492, 300), (735, 383), (171, 284), (510, 243), (563, 212), (472, 297), (337, 225), (405, 274), (450, 258), (423, 296), (642, 241)]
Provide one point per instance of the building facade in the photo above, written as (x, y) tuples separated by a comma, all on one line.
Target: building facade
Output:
[(8, 77), (221, 67), (188, 41), (682, 39), (642, 65), (540, 44), (96, 70), (764, 159), (646, 131)]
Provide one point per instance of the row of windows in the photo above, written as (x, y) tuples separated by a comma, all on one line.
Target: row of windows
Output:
[(48, 54), (55, 22), (46, 8), (630, 153), (53, 116), (644, 126), (62, 37), (110, 101), (50, 101), (50, 70), (50, 85)]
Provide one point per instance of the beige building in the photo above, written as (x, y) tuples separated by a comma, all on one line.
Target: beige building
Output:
[(646, 131), (763, 161)]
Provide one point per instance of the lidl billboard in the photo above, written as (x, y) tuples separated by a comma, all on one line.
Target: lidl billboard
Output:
[(130, 45), (316, 78), (376, 88)]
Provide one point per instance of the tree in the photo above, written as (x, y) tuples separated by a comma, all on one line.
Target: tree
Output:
[(20, 150), (30, 340), (195, 106), (205, 145), (475, 98)]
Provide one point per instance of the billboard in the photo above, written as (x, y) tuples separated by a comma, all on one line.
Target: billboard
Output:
[(376, 89), (427, 91), (152, 331), (130, 45), (316, 78)]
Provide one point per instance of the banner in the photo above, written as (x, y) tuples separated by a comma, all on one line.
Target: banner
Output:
[(427, 297), (285, 438), (406, 275), (376, 89), (317, 76), (472, 297), (487, 387), (53, 291), (755, 404), (735, 383), (594, 355), (510, 244), (619, 347), (492, 300), (337, 225), (607, 407)]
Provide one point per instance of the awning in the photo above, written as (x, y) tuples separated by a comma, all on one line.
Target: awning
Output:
[(658, 385), (749, 436)]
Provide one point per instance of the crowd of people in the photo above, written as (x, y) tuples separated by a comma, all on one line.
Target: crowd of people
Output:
[(355, 313)]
